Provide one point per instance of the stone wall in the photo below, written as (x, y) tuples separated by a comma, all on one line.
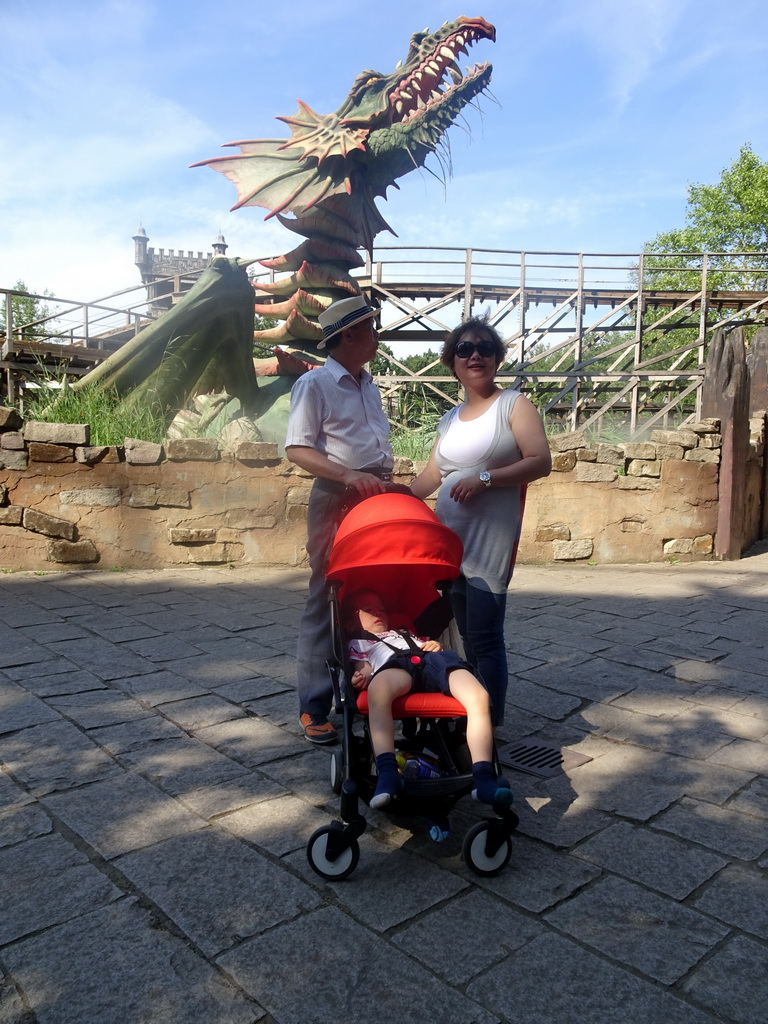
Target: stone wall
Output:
[(67, 504)]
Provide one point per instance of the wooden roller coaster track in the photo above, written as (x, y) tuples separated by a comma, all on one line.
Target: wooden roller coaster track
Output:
[(588, 335)]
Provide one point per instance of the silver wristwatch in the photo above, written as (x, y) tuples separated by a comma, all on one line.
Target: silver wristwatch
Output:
[(485, 476)]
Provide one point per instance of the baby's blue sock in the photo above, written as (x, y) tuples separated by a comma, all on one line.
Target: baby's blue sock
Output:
[(486, 787), (390, 782)]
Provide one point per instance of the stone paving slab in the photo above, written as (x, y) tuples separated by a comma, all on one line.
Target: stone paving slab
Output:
[(651, 933), (734, 982), (121, 814), (216, 889), (44, 882), (164, 804), (351, 974), (54, 756), (120, 967), (637, 854), (552, 979)]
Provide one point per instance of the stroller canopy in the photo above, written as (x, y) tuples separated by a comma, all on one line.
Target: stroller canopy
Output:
[(394, 544)]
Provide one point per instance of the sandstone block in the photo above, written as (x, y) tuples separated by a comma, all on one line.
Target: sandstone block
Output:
[(80, 552), (296, 513), (298, 496), (708, 426), (142, 453), (557, 531), (41, 451), (571, 550), (678, 546), (12, 439), (640, 450), (13, 460), (50, 526), (670, 451), (143, 496), (703, 455), (639, 467), (567, 442), (256, 451), (586, 455), (185, 535), (9, 418), (610, 454), (192, 449), (214, 554), (563, 462), (713, 440), (92, 497), (92, 454), (685, 438), (704, 545), (57, 433), (173, 497), (587, 472), (11, 515)]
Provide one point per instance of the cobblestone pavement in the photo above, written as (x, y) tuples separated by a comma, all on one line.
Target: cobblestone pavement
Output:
[(156, 797)]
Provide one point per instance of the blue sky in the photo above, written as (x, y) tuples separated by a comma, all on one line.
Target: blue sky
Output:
[(604, 111)]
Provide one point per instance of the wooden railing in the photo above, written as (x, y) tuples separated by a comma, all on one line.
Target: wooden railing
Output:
[(591, 336)]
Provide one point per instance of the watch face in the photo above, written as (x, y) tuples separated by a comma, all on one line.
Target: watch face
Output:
[(485, 476)]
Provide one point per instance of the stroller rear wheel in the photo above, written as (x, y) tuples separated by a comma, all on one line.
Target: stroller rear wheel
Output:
[(319, 854), (485, 853)]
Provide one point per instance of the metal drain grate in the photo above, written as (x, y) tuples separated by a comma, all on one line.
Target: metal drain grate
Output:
[(536, 758)]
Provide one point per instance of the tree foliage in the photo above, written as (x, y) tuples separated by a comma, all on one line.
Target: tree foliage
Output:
[(26, 310), (728, 219)]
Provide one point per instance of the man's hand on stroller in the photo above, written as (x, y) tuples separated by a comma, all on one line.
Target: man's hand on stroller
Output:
[(366, 484)]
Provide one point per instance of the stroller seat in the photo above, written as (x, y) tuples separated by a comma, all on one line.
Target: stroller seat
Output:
[(395, 545), (418, 705)]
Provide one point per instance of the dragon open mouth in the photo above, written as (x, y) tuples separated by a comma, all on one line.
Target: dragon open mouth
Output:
[(438, 75)]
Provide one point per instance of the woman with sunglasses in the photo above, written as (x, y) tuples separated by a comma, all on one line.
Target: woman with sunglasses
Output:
[(486, 449)]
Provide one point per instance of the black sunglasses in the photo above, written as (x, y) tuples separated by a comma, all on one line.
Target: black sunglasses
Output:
[(464, 349)]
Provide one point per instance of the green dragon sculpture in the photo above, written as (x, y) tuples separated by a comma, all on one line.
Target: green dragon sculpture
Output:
[(322, 184), (334, 166)]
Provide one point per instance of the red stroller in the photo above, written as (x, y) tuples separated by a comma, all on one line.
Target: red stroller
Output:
[(394, 544)]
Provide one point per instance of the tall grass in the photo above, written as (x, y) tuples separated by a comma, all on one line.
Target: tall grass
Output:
[(110, 420)]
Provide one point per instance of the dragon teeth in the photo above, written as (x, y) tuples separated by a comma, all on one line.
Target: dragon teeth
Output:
[(446, 52)]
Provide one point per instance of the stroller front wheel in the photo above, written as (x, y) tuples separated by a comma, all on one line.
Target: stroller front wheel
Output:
[(337, 771), (319, 855), (483, 853)]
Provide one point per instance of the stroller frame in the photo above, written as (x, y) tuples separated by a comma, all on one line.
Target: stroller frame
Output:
[(430, 722)]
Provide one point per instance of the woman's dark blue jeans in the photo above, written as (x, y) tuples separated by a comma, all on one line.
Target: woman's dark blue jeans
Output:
[(480, 617)]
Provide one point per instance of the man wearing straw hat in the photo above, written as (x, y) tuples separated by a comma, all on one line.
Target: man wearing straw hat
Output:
[(338, 432)]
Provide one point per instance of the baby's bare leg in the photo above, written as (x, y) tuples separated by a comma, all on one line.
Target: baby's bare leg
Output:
[(384, 688), (470, 692)]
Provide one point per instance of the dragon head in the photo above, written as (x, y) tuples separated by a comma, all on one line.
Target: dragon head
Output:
[(407, 110), (386, 126)]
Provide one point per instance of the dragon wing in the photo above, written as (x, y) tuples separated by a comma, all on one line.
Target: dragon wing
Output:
[(279, 181)]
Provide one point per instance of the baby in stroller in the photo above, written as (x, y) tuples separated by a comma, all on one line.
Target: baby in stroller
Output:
[(391, 663), (391, 552)]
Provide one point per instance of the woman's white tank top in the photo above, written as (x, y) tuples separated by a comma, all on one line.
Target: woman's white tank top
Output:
[(468, 442)]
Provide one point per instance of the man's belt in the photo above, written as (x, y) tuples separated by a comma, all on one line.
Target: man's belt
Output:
[(382, 474)]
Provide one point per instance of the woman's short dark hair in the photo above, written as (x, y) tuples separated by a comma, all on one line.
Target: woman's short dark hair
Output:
[(482, 329)]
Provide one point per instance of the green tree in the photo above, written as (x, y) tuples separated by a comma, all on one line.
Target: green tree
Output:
[(26, 310), (728, 219)]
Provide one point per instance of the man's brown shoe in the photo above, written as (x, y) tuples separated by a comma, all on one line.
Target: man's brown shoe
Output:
[(318, 729)]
